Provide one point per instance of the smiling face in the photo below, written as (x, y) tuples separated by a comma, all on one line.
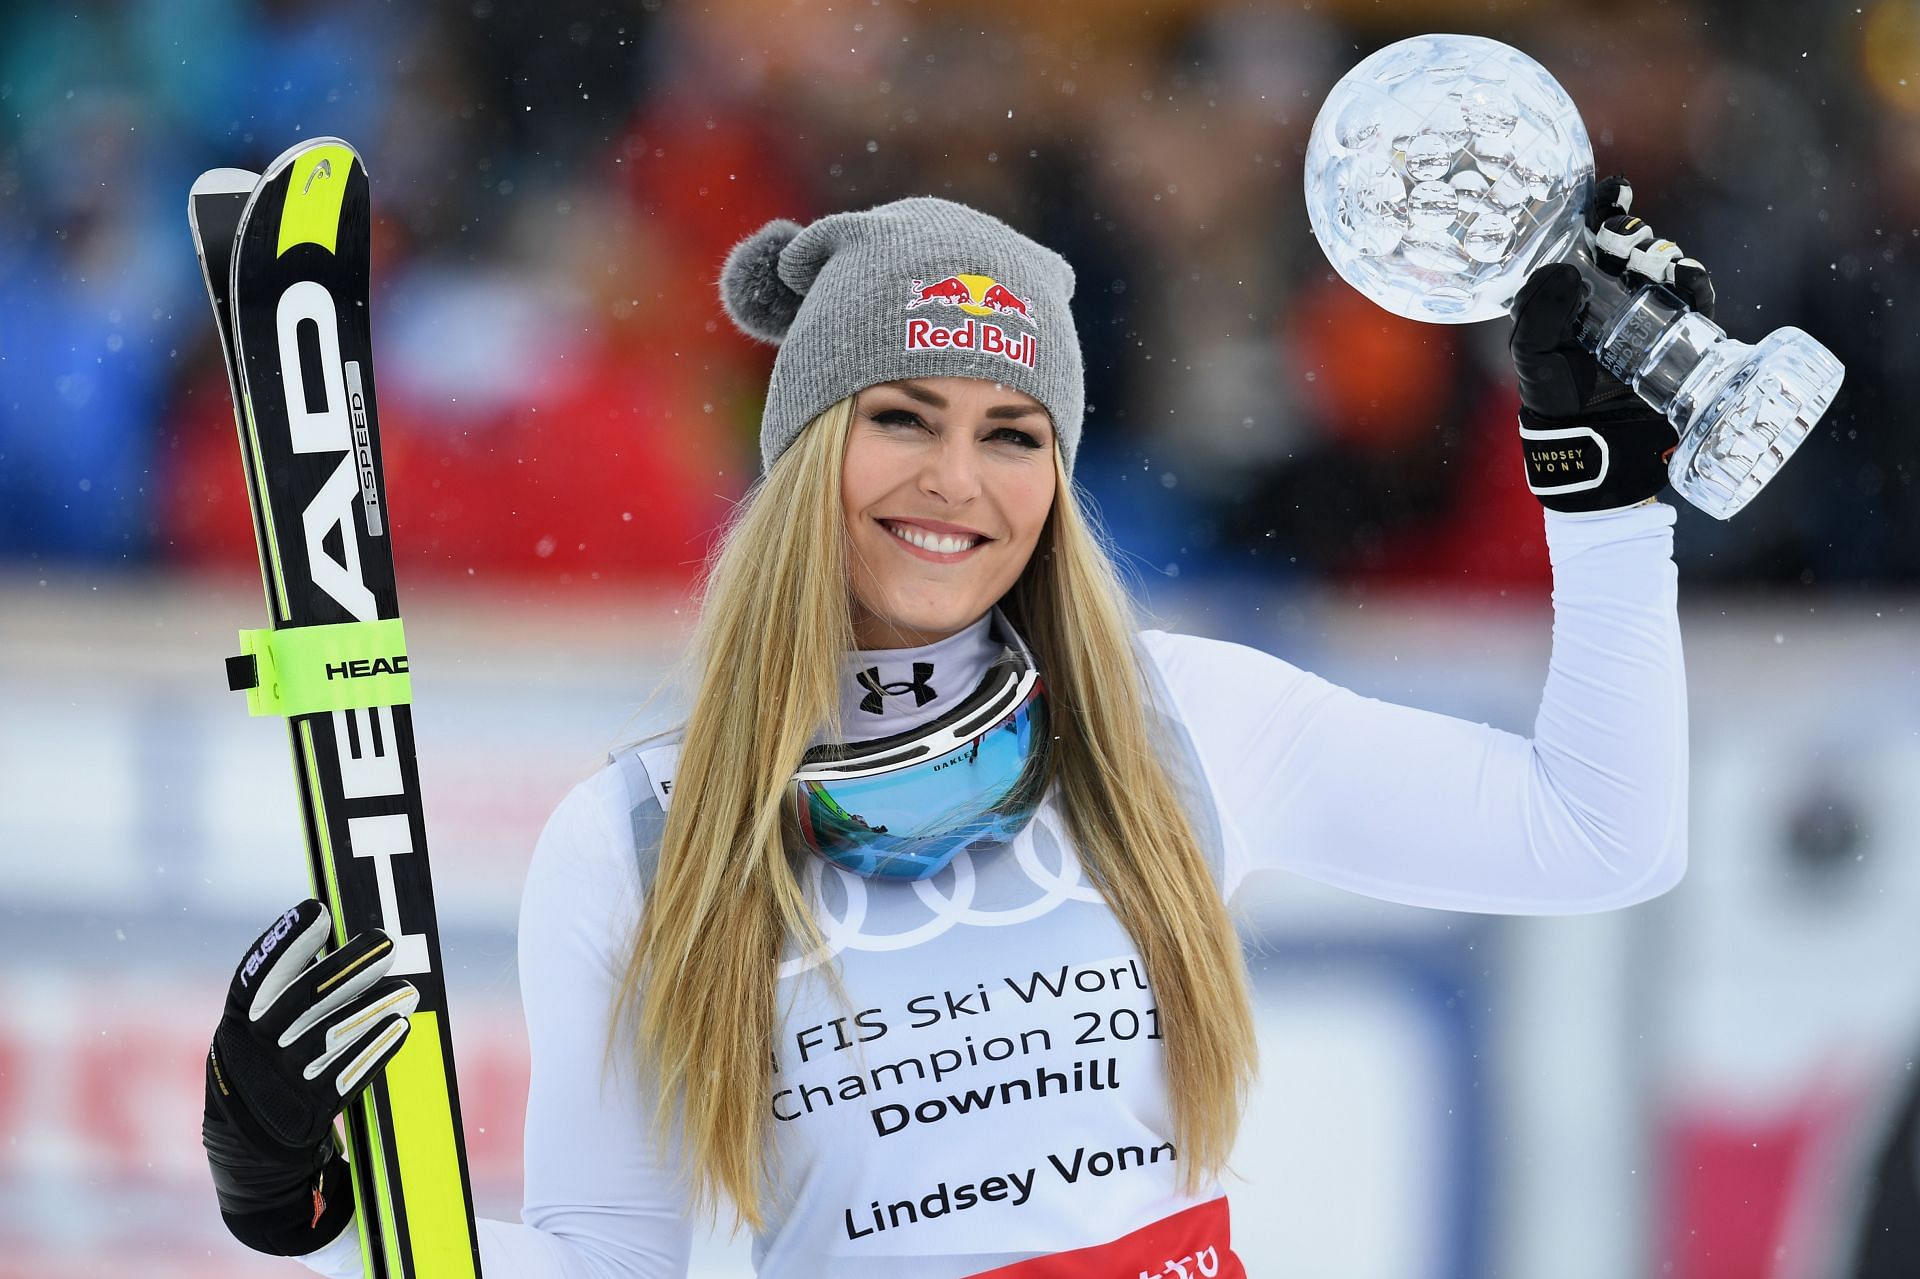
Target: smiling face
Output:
[(946, 487)]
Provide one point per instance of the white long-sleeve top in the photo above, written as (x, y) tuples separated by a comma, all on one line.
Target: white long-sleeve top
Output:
[(996, 1097)]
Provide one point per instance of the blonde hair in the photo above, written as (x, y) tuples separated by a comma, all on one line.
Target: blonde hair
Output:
[(698, 994)]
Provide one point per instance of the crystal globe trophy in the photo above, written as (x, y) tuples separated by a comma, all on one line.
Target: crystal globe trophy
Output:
[(1443, 169)]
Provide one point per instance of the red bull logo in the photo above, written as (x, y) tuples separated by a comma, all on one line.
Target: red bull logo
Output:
[(976, 295)]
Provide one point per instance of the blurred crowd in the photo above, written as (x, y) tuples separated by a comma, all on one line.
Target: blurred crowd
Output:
[(555, 186)]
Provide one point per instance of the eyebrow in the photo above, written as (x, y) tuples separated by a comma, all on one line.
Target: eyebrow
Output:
[(997, 413)]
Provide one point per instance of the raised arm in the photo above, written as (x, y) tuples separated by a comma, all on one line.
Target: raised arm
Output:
[(1588, 814), (601, 1198)]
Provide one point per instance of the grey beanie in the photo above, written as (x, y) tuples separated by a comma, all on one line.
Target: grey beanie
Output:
[(921, 287)]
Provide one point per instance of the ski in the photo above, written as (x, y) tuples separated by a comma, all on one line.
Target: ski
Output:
[(285, 255)]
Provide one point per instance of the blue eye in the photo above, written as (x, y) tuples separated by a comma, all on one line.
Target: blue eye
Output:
[(908, 418)]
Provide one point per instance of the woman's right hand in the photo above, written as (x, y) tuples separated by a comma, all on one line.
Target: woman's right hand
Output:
[(299, 1037)]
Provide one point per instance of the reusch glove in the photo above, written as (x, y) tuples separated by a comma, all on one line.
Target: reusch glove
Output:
[(297, 1040), (1577, 421)]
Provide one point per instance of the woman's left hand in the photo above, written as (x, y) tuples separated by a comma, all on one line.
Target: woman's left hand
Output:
[(1566, 398)]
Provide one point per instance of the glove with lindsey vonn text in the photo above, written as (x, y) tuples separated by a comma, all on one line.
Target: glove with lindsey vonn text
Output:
[(298, 1039), (1579, 423)]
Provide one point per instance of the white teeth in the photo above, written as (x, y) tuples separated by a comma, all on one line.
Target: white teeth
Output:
[(944, 543)]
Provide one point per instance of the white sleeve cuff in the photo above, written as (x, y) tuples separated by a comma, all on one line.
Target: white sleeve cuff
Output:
[(339, 1259), (1568, 534)]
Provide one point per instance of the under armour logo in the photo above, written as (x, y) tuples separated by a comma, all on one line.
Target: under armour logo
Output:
[(922, 691)]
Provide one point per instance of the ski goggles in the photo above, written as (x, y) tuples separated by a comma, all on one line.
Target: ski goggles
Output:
[(902, 807)]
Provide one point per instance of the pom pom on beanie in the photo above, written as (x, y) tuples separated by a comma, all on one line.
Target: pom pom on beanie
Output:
[(756, 298)]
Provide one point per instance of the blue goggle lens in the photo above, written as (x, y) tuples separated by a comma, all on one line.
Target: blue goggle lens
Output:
[(910, 821)]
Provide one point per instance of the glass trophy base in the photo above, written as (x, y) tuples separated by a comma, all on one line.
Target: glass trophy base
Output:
[(1743, 411)]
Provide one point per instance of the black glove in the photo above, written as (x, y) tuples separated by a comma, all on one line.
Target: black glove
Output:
[(298, 1039), (1566, 398)]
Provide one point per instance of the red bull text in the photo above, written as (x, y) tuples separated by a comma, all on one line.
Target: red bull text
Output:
[(972, 335)]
